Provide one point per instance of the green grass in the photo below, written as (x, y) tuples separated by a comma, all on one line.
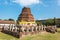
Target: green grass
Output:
[(43, 36), (7, 37)]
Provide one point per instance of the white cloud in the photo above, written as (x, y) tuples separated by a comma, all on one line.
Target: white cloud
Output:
[(22, 2), (26, 2)]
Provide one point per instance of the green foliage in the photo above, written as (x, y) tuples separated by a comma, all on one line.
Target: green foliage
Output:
[(11, 19), (38, 22), (0, 19), (50, 22), (54, 21)]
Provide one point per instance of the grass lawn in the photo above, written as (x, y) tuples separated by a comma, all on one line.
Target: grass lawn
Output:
[(43, 36), (7, 37)]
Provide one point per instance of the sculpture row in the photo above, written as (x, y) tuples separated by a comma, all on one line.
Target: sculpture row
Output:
[(36, 29), (21, 31)]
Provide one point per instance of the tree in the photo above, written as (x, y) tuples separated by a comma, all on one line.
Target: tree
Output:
[(10, 19), (38, 22), (50, 22), (54, 21), (0, 19)]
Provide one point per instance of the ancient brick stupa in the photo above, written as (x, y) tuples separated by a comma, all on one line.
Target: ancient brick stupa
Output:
[(26, 18)]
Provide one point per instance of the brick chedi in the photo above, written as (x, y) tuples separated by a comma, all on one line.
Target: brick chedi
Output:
[(26, 17)]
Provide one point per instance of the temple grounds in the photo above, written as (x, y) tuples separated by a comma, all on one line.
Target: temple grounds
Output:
[(43, 36), (26, 28)]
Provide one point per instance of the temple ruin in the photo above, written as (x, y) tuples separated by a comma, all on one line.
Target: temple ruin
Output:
[(25, 25), (26, 18)]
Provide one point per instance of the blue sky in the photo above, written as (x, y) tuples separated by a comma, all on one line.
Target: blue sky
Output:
[(41, 9)]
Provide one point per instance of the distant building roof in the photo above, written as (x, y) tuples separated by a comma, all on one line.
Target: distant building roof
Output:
[(7, 22)]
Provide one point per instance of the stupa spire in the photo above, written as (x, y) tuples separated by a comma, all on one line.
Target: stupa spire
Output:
[(26, 15)]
